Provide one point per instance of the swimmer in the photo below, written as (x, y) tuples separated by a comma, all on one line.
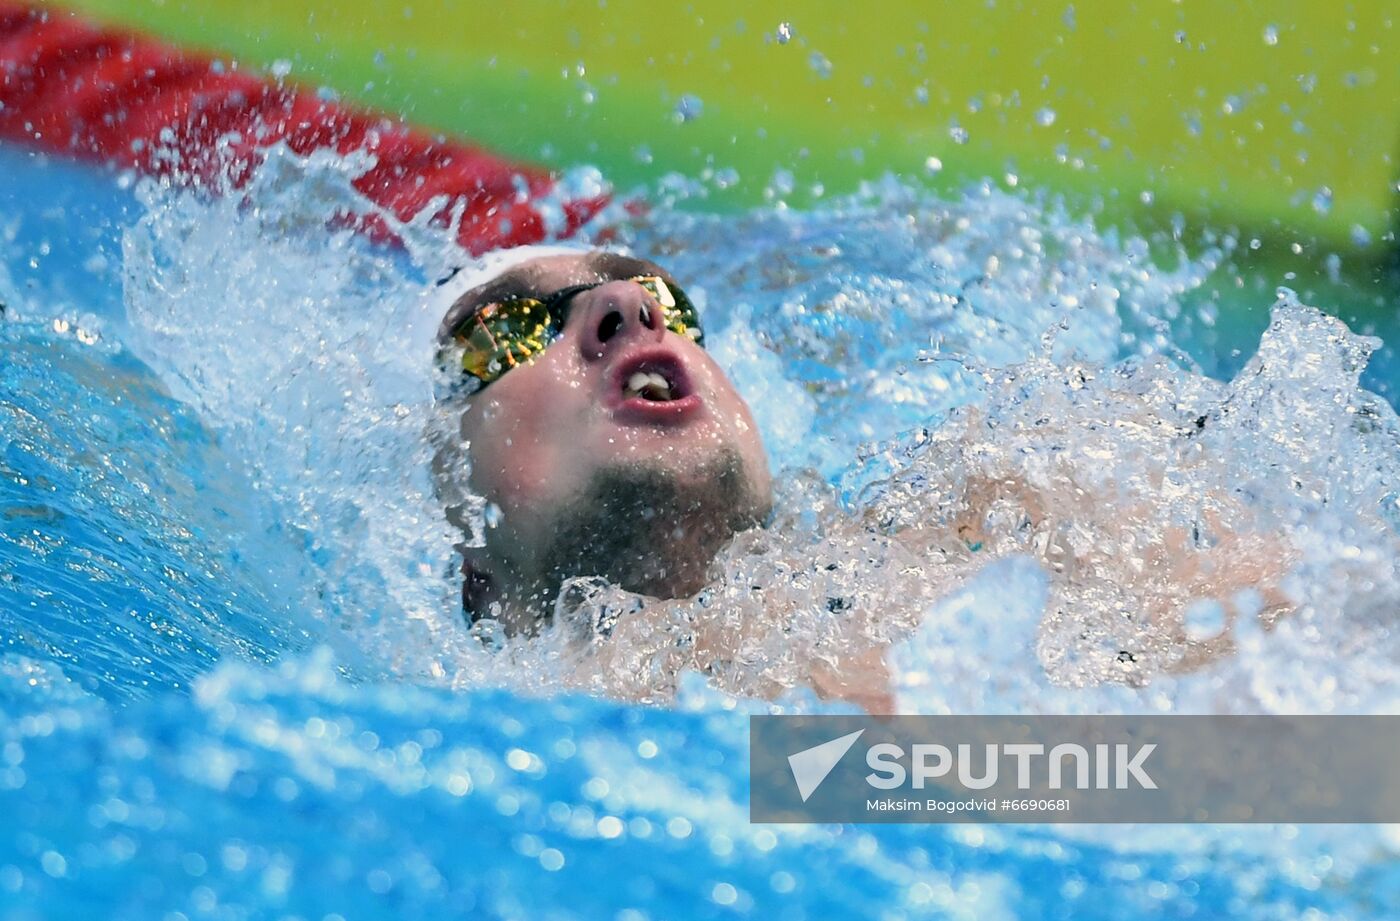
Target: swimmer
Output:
[(609, 443), (603, 432)]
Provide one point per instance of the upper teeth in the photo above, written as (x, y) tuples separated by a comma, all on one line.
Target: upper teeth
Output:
[(649, 384)]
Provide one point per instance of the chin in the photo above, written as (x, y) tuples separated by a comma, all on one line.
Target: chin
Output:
[(653, 526), (679, 452)]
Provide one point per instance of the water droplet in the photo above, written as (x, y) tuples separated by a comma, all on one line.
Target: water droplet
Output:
[(281, 68), (1045, 117), (784, 34), (54, 864), (921, 94), (1271, 34), (1322, 201), (933, 165), (958, 133), (688, 108), (1333, 262), (819, 64)]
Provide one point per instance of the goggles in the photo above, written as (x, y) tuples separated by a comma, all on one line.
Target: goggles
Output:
[(503, 334)]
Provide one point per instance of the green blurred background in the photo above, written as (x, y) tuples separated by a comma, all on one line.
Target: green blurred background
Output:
[(1277, 120)]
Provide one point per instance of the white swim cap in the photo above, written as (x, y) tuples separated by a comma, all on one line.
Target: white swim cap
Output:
[(486, 267)]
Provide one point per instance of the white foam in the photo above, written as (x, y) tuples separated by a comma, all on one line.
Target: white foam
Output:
[(913, 351)]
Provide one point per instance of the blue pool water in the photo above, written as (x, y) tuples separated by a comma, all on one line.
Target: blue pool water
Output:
[(234, 684)]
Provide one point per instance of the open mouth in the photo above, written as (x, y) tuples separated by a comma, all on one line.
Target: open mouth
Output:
[(653, 385), (654, 379)]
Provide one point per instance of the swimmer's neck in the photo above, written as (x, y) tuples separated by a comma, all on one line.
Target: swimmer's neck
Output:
[(522, 599), (520, 613)]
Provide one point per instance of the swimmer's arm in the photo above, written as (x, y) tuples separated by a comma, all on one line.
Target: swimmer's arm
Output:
[(861, 678), (1242, 569), (1173, 569)]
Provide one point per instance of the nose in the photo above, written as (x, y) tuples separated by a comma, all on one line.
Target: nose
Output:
[(615, 315)]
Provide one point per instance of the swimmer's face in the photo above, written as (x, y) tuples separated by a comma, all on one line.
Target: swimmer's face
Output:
[(594, 475)]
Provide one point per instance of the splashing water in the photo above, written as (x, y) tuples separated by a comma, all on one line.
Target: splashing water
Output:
[(993, 456)]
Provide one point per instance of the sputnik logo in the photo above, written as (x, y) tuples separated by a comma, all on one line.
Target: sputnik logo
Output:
[(812, 765)]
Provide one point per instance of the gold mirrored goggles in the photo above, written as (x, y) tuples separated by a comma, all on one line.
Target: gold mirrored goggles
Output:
[(503, 334)]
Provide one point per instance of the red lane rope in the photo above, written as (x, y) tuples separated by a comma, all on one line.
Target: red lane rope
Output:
[(74, 88)]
